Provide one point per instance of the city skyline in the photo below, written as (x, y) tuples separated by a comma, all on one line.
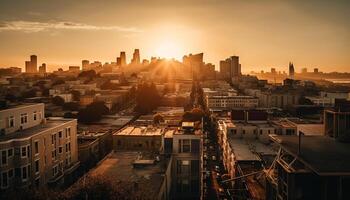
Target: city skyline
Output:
[(264, 35)]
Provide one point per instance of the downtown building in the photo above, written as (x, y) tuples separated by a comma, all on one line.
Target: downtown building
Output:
[(35, 151)]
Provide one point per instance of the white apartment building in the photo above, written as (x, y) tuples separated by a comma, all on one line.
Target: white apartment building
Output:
[(35, 151), (231, 102)]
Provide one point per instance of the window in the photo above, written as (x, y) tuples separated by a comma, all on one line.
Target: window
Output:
[(194, 167), (36, 147), (34, 116), (243, 132), (54, 171), (4, 157), (4, 180), (11, 174), (37, 182), (68, 147), (36, 167), (53, 139), (24, 152), (11, 122), (186, 146), (195, 146), (54, 154), (25, 173), (10, 152), (60, 149), (68, 160), (261, 132), (183, 167), (60, 134), (68, 132), (24, 118)]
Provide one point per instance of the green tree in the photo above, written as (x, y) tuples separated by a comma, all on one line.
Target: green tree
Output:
[(93, 112), (58, 101)]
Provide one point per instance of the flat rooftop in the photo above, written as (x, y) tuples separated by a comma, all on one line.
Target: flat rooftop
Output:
[(242, 150), (29, 132), (321, 154), (119, 166), (140, 131)]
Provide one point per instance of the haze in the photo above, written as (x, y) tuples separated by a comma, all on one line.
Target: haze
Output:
[(264, 34)]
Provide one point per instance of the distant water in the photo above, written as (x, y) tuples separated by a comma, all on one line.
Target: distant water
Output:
[(339, 80)]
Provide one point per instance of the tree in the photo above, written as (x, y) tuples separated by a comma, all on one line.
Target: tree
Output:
[(58, 101), (158, 118), (92, 112), (196, 114), (71, 106), (147, 98)]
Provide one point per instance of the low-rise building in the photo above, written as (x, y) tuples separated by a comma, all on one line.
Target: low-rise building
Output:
[(36, 151)]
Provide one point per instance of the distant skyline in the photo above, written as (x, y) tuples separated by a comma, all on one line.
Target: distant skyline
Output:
[(265, 34)]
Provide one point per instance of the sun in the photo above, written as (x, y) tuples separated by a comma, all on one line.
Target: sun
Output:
[(169, 49)]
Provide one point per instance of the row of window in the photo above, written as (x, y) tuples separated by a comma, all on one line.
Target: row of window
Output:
[(22, 172), (24, 119), (23, 151), (60, 135), (189, 146), (234, 131)]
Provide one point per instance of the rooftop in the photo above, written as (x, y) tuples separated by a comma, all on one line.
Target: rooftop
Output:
[(119, 166), (140, 131), (29, 132), (321, 154), (242, 150)]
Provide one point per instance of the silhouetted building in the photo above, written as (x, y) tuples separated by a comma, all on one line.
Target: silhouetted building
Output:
[(42, 68), (122, 58), (291, 70), (316, 70), (136, 57), (31, 66), (85, 65), (304, 70), (195, 62), (230, 68)]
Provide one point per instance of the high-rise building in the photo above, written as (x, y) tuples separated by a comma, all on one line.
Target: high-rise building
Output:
[(28, 65), (136, 57), (235, 66), (85, 65), (122, 58), (34, 63), (291, 70), (230, 68), (195, 62), (42, 68)]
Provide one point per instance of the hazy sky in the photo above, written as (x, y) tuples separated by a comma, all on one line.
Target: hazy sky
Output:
[(264, 33)]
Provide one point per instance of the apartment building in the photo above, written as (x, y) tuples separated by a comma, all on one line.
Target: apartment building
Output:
[(231, 102), (187, 162), (35, 151)]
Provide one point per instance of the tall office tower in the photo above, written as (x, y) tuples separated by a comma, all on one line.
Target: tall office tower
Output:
[(28, 64), (225, 69), (136, 57), (34, 63), (122, 58), (195, 63), (85, 65), (118, 61), (42, 68), (235, 66), (291, 70)]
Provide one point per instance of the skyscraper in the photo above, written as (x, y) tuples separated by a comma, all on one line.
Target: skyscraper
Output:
[(230, 68), (136, 57), (122, 58), (28, 65), (291, 70), (42, 68), (34, 63), (85, 64), (235, 66)]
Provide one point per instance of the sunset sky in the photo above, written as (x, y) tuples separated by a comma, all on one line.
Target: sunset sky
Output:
[(264, 33)]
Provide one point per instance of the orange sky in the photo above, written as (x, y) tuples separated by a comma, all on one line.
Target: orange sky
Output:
[(265, 34)]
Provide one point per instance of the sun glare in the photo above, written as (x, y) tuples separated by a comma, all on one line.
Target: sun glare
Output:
[(169, 49)]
